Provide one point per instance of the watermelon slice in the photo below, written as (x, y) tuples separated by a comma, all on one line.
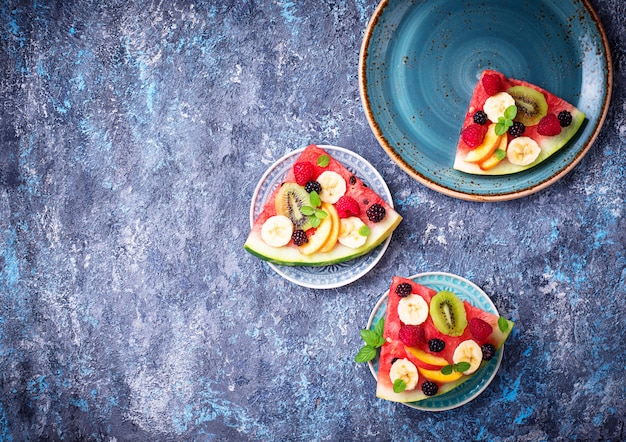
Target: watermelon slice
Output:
[(430, 366), (321, 214), (539, 125)]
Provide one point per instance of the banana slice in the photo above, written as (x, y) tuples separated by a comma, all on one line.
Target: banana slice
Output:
[(413, 310), (496, 105), (350, 232), (333, 186), (522, 151), (468, 351), (277, 230), (405, 370)]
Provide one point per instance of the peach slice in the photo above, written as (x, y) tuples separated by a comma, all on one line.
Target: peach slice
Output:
[(334, 232), (321, 235), (427, 358), (438, 376), (493, 160), (486, 148)]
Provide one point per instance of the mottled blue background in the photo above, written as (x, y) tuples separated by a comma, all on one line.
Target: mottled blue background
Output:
[(132, 136)]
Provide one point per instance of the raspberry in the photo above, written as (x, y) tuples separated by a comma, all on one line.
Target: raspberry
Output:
[(517, 130), (429, 388), (474, 134), (549, 126), (313, 186), (404, 289), (480, 117), (299, 237), (480, 329), (492, 83), (565, 118), (303, 172), (376, 213), (489, 351), (436, 345), (412, 335), (347, 206)]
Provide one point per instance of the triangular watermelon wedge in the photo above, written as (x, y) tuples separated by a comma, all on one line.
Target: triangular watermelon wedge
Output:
[(321, 214), (490, 145), (427, 365)]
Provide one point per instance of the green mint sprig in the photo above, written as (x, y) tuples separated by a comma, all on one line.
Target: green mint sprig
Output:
[(316, 215), (399, 386), (323, 160), (503, 324), (459, 367), (364, 230), (506, 120), (373, 339)]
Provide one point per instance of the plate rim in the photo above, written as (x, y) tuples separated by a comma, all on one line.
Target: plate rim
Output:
[(381, 249), (490, 197), (500, 351)]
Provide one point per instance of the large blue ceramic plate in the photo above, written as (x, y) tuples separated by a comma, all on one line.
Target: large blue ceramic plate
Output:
[(467, 291), (420, 61), (337, 275)]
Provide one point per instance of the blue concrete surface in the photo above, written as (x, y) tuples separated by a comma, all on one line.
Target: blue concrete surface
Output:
[(132, 136)]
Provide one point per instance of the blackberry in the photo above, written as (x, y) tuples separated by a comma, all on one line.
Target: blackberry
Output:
[(299, 237), (436, 345), (313, 185), (565, 118), (403, 289), (517, 130), (480, 117), (430, 388), (489, 351), (376, 213)]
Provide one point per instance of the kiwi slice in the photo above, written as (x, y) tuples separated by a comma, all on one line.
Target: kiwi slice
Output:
[(448, 313), (531, 104), (289, 199)]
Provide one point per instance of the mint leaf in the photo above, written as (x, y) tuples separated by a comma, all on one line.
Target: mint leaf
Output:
[(500, 128), (503, 324), (399, 386), (460, 367), (365, 354), (510, 112), (315, 221), (500, 154), (447, 369), (314, 197), (370, 337), (320, 214), (323, 160), (364, 230), (307, 210), (380, 327)]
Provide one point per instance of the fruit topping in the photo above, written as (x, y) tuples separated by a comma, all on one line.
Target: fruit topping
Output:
[(353, 232), (480, 329), (333, 186), (289, 202), (404, 375), (448, 313), (517, 129), (531, 104), (495, 105), (323, 231), (277, 230), (549, 125), (436, 345), (480, 117), (412, 335), (489, 351), (492, 84), (468, 351), (299, 237), (413, 310), (429, 388), (523, 151), (313, 186), (376, 213), (474, 134), (403, 289), (347, 206), (484, 150), (303, 172), (565, 118)]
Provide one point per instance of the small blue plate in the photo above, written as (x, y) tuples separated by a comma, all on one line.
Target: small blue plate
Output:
[(420, 61), (467, 291), (337, 275)]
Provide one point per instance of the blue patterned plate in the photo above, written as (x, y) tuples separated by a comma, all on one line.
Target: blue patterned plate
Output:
[(337, 275), (420, 61), (467, 291)]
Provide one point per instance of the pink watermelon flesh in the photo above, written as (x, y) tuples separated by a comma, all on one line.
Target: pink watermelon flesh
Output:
[(549, 145), (365, 196), (394, 348)]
